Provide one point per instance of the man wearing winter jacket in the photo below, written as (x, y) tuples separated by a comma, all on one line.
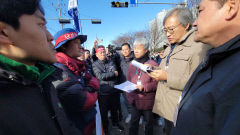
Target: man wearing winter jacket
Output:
[(125, 60), (76, 88), (210, 103), (142, 98), (108, 97), (28, 100)]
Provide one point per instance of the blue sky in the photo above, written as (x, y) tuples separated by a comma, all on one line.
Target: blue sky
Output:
[(115, 21)]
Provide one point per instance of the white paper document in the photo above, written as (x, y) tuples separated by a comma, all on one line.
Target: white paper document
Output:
[(126, 86), (141, 66)]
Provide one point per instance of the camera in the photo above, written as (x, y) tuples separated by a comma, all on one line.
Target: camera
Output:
[(111, 49)]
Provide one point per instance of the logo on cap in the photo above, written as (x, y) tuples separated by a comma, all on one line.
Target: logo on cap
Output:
[(66, 36)]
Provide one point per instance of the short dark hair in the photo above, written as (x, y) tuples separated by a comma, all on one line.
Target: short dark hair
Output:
[(12, 10), (126, 44)]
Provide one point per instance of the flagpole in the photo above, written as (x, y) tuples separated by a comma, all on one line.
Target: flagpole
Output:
[(80, 22)]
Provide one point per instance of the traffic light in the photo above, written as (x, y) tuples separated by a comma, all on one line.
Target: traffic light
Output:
[(126, 4), (119, 4)]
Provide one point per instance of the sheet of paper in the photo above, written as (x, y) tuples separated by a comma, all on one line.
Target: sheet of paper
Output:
[(126, 86), (141, 66)]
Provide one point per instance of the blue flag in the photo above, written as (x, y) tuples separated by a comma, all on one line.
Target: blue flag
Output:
[(132, 1), (73, 12)]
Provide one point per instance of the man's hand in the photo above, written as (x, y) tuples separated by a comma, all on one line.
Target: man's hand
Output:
[(150, 66), (95, 44), (159, 75), (116, 73), (140, 87)]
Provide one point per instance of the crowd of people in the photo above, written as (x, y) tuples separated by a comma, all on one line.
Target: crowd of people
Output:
[(53, 90)]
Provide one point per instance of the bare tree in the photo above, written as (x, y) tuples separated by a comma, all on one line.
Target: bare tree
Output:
[(129, 37), (157, 35), (192, 3), (121, 39)]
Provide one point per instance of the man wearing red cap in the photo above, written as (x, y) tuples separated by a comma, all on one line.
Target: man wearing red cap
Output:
[(108, 97)]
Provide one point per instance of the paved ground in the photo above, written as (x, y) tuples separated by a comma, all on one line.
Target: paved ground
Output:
[(157, 130)]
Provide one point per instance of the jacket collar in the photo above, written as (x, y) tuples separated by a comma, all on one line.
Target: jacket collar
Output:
[(185, 37), (17, 77), (18, 71), (226, 47), (181, 44), (214, 56), (103, 61)]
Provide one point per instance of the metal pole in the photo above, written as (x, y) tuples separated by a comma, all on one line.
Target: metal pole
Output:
[(71, 19), (60, 10), (159, 3)]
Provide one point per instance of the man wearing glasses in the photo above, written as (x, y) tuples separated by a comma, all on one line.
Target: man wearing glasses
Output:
[(179, 61)]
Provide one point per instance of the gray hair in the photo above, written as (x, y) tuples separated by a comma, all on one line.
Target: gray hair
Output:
[(184, 16), (141, 41)]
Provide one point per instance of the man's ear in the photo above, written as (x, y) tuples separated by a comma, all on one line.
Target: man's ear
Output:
[(187, 27), (232, 8), (4, 38)]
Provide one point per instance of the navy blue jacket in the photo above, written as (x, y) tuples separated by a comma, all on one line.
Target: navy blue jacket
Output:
[(211, 98), (78, 99)]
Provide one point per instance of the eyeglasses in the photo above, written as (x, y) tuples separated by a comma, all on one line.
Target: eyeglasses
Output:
[(102, 52), (171, 29)]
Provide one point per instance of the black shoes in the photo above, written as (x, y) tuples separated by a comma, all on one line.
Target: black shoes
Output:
[(118, 125)]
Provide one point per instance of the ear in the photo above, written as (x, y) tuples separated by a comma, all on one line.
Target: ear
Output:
[(232, 7), (4, 38), (187, 27), (146, 50)]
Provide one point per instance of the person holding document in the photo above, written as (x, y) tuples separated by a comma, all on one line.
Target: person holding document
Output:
[(142, 98), (179, 61)]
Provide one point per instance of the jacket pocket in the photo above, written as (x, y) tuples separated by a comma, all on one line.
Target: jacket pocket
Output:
[(181, 57), (179, 65)]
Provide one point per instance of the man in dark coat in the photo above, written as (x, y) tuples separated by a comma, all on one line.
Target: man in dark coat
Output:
[(108, 97), (28, 100), (210, 103), (125, 60), (88, 60)]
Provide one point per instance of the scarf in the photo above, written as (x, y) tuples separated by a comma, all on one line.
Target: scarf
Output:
[(76, 66), (144, 58)]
